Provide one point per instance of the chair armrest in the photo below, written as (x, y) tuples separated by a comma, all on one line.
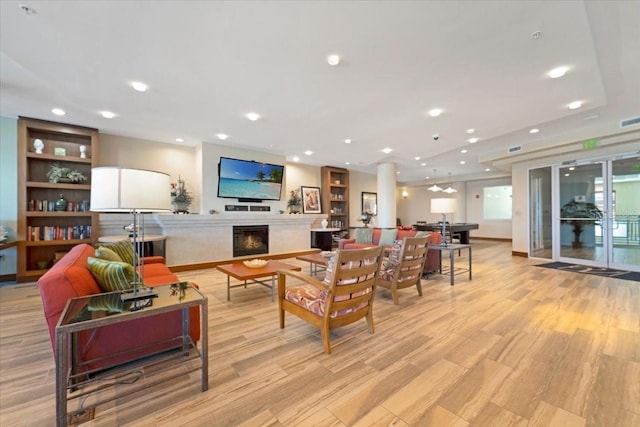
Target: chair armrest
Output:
[(343, 242), (305, 278)]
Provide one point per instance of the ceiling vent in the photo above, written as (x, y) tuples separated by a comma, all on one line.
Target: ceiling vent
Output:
[(630, 122), (514, 149)]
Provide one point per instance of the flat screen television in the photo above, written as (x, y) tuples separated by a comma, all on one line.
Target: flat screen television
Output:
[(249, 180)]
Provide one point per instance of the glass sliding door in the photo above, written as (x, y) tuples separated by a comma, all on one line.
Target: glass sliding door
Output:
[(624, 214), (540, 227), (583, 233)]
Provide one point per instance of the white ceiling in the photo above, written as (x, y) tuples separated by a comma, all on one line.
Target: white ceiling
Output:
[(209, 63)]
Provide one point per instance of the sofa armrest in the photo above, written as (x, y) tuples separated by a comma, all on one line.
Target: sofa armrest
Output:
[(343, 242), (153, 259)]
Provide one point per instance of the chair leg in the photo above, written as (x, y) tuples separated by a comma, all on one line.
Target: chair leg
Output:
[(370, 320), (281, 286), (419, 286), (394, 295), (325, 333)]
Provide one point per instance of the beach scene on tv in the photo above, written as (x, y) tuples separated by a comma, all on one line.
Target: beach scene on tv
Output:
[(251, 180)]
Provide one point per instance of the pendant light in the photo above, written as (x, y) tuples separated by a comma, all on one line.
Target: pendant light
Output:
[(435, 187), (450, 189)]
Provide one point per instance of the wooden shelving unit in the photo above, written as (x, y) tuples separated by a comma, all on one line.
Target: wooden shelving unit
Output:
[(335, 196), (44, 232)]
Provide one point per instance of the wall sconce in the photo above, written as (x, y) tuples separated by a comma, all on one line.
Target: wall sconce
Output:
[(405, 194)]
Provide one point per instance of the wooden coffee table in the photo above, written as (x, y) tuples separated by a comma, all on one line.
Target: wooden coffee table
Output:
[(314, 261), (239, 271)]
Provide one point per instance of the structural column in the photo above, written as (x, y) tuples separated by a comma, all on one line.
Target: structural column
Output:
[(386, 195)]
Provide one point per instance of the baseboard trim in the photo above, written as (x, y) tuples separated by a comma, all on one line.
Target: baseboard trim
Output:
[(7, 278), (520, 254), (495, 239), (213, 264)]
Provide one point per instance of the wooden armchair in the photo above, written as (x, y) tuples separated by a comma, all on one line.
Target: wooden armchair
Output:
[(405, 265), (344, 296)]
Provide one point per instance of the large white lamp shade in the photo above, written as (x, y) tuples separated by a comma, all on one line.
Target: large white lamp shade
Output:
[(116, 189)]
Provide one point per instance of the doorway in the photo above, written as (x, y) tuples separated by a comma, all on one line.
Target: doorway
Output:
[(587, 213)]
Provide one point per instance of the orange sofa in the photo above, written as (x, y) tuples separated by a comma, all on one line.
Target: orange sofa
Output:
[(433, 256), (70, 277)]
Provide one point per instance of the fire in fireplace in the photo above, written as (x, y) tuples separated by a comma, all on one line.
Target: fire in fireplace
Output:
[(250, 240)]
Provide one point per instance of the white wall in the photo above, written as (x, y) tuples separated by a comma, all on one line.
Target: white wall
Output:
[(359, 182), (494, 228), (9, 190)]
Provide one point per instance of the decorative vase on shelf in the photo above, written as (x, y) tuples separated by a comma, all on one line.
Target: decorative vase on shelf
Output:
[(61, 204), (324, 222)]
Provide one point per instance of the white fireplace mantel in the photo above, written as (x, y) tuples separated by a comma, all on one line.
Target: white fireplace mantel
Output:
[(193, 239)]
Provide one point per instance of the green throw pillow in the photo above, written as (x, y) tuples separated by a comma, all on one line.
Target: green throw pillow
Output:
[(123, 248), (111, 275), (107, 254), (364, 235), (388, 236)]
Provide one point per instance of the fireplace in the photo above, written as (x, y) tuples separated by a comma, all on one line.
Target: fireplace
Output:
[(250, 240)]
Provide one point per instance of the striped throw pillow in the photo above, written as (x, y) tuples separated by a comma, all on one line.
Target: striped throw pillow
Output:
[(122, 248), (111, 275), (107, 254)]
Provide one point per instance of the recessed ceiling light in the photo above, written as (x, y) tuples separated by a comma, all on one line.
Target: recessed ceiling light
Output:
[(139, 86), (417, 157), (534, 130), (470, 131), (387, 150), (423, 164), (575, 105), (435, 112), (222, 136), (572, 168), (179, 140), (462, 162), (253, 116), (397, 172), (558, 72), (107, 114), (472, 140), (463, 151), (333, 59), (308, 152), (296, 158), (347, 163), (487, 170), (347, 141), (58, 112)]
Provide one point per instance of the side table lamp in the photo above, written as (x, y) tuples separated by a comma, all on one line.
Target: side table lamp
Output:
[(137, 191), (444, 206)]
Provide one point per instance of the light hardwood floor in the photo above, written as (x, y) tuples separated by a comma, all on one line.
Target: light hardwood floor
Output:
[(519, 345)]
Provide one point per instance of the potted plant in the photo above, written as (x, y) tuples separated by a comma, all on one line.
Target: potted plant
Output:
[(59, 173), (579, 214), (180, 197)]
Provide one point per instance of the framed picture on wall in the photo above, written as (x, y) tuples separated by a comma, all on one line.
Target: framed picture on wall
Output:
[(369, 203), (311, 200)]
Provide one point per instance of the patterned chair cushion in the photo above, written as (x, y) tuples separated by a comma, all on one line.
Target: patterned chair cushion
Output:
[(314, 300)]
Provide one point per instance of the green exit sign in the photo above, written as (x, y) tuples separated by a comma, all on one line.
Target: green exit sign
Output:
[(590, 144)]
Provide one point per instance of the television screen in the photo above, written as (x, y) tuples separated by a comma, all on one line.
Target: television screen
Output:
[(243, 179)]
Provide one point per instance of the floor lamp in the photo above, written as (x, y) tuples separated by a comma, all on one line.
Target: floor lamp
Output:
[(444, 206), (116, 189)]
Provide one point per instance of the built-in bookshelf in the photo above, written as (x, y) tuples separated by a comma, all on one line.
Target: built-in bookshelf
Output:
[(335, 196), (53, 216)]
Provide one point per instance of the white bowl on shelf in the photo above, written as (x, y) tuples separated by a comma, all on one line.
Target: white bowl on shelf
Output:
[(255, 263)]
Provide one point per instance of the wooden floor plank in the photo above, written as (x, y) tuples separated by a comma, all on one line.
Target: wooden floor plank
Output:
[(518, 345)]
